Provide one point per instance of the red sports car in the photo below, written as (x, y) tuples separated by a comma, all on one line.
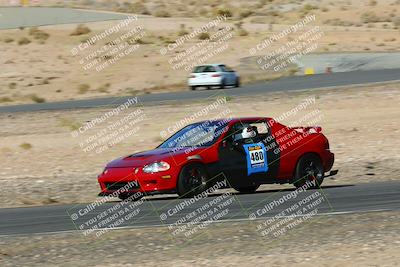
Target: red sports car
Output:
[(243, 152)]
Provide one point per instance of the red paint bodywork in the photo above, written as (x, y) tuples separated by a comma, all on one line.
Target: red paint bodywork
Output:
[(293, 143)]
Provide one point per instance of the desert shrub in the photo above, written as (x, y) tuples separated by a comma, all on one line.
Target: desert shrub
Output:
[(104, 88), (204, 36), (8, 40), (24, 41), (12, 85), (338, 22), (4, 99), (224, 12), (81, 29), (369, 17), (83, 88), (203, 12), (242, 32), (138, 8), (25, 146), (36, 98), (69, 123), (245, 13), (38, 34), (161, 13), (308, 7), (396, 21)]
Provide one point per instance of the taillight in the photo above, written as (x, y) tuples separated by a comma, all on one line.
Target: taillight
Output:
[(216, 75), (192, 76)]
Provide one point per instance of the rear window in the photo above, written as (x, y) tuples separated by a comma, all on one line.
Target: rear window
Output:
[(204, 69)]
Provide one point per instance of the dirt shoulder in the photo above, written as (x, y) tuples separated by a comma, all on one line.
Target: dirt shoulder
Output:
[(365, 239), (38, 65), (44, 164)]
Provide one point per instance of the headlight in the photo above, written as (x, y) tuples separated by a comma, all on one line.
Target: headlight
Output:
[(156, 167)]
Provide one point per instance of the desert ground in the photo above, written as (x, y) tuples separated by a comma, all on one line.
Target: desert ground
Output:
[(325, 241), (40, 155), (38, 66)]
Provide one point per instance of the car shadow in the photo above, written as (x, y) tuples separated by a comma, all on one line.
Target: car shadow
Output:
[(174, 197)]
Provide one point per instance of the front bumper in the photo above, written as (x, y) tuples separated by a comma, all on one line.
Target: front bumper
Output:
[(118, 181)]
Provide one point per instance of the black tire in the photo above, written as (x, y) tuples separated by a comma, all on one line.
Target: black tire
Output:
[(247, 189), (192, 180), (309, 168), (237, 84), (192, 88), (222, 86)]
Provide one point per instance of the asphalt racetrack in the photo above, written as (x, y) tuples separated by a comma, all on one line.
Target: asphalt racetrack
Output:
[(285, 84), (152, 212)]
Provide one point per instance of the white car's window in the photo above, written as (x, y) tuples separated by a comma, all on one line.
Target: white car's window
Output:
[(199, 69), (223, 68), (209, 69)]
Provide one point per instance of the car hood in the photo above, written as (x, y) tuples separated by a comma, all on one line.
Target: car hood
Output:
[(150, 156)]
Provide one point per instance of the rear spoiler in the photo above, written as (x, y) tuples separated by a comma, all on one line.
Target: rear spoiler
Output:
[(310, 129)]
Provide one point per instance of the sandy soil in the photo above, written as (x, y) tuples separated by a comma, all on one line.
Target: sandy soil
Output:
[(366, 239), (45, 70), (42, 163)]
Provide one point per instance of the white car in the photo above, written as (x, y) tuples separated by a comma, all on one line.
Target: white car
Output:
[(213, 75)]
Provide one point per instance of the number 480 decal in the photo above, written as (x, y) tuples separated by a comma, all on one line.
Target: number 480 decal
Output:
[(256, 158)]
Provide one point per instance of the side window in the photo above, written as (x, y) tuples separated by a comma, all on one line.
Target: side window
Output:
[(249, 132), (262, 127), (209, 69), (199, 69), (223, 68)]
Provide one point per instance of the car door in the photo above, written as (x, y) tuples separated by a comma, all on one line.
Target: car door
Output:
[(251, 161)]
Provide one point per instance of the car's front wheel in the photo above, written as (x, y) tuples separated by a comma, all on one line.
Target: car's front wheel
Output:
[(192, 180), (309, 168)]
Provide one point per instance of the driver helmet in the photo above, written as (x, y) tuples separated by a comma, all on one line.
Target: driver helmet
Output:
[(247, 132)]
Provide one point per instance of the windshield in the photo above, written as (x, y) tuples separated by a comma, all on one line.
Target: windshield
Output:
[(200, 134), (206, 68)]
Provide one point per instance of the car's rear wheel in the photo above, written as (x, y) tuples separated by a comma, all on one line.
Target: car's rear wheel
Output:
[(309, 168), (192, 88), (247, 189), (192, 180), (237, 84), (222, 86)]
